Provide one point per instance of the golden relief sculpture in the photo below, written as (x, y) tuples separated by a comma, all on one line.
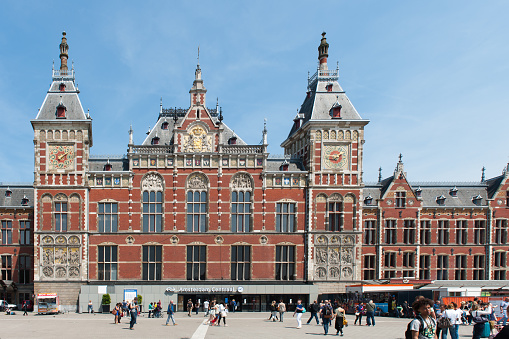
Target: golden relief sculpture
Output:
[(197, 141)]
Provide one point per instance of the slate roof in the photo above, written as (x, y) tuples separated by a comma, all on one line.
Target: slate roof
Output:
[(494, 184), (69, 98), (294, 165), (97, 163), (18, 192)]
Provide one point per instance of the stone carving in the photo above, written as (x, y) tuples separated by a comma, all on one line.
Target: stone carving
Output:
[(242, 181), (196, 181), (326, 135), (318, 135), (347, 135), (48, 272), (60, 197), (61, 255), (321, 198), (340, 135), (334, 272), (74, 272), (219, 240), (346, 255), (47, 256), (334, 239), (60, 240), (334, 256), (60, 272), (129, 240), (74, 240), (197, 141), (321, 255), (321, 240), (264, 240), (348, 240), (347, 272), (336, 197), (333, 134), (321, 273), (152, 182), (46, 198), (174, 240), (74, 256), (354, 135), (47, 240)]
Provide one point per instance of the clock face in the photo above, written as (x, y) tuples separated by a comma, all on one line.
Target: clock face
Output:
[(335, 157), (61, 157)]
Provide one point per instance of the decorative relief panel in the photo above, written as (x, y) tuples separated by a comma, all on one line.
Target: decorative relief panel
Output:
[(61, 257), (197, 140), (334, 257), (197, 181), (242, 181), (152, 182)]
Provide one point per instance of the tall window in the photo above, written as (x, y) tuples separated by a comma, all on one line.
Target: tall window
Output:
[(152, 211), (443, 232), (335, 216), (107, 263), (107, 216), (409, 232), (369, 267), (285, 217), (461, 267), (390, 265), (369, 232), (152, 260), (442, 267), (391, 235), (461, 232), (196, 262), (241, 211), (478, 267), (479, 232), (400, 199), (61, 216), (425, 232), (408, 265), (500, 231), (241, 263), (6, 232), (285, 263), (24, 269), (6, 267), (196, 211), (424, 267), (24, 232), (499, 268)]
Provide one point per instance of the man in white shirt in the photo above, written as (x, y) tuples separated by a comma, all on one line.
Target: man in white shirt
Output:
[(206, 307), (503, 309)]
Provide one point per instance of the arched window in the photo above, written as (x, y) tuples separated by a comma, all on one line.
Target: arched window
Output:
[(241, 211), (335, 213), (60, 213), (152, 188), (197, 203)]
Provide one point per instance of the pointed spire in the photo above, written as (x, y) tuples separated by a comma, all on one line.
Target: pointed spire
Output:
[(399, 166), (483, 176), (217, 105), (148, 132), (198, 91), (220, 114), (131, 134), (265, 131), (64, 49), (323, 52), (380, 174)]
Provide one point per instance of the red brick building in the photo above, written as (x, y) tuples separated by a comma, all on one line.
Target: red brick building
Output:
[(195, 212)]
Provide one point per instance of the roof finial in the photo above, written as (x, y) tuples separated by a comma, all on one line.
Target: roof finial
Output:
[(131, 134), (400, 157), (483, 177), (380, 174), (323, 52), (64, 49), (198, 56), (161, 106), (220, 114)]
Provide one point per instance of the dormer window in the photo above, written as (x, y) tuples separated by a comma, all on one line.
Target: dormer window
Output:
[(328, 87), (164, 125), (418, 193), (24, 201), (440, 200), (232, 141), (107, 167), (477, 200), (8, 193), (61, 111), (336, 111), (454, 192), (61, 87), (155, 141), (368, 200)]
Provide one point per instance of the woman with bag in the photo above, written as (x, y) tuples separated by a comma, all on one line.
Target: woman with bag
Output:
[(339, 313), (447, 321), (480, 319), (358, 314), (224, 313)]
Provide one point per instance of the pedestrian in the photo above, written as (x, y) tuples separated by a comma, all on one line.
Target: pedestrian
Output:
[(234, 306), (503, 309), (480, 318), (326, 313), (170, 312), (124, 308), (423, 326), (133, 309), (281, 307), (273, 311), (453, 316), (150, 309), (206, 307), (339, 313), (197, 307), (189, 307), (358, 314), (90, 307), (313, 309), (439, 314), (224, 313), (212, 312), (117, 312), (299, 309), (370, 313)]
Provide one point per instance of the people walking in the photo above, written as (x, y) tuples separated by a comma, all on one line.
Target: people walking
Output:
[(212, 312), (189, 307), (358, 314), (281, 307), (299, 309), (480, 318), (170, 311), (370, 313), (224, 313), (503, 310), (206, 307), (326, 313), (117, 312), (197, 307), (339, 314), (24, 308), (150, 309), (453, 318), (90, 307), (314, 308), (273, 311), (133, 309)]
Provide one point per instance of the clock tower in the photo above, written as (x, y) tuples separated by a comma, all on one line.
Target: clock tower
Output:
[(328, 135), (62, 141)]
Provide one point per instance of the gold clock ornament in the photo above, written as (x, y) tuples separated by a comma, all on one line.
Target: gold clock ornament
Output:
[(61, 156), (335, 157)]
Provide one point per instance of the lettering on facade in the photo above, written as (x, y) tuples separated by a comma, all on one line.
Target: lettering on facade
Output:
[(228, 289)]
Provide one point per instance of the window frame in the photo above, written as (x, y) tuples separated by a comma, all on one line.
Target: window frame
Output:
[(6, 262), (288, 218), (462, 232), (370, 232), (152, 260), (60, 214), (479, 267), (25, 268), (285, 270), (500, 234), (240, 267), (113, 217), (25, 235), (409, 226), (400, 199), (461, 265), (424, 266), (335, 216), (443, 232), (442, 267), (196, 268), (152, 212), (425, 231), (107, 268), (391, 231), (238, 214), (6, 232)]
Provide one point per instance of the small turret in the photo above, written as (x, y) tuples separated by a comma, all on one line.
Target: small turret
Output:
[(198, 91), (64, 50), (323, 52)]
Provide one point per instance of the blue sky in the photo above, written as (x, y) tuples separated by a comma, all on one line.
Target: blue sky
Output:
[(431, 76)]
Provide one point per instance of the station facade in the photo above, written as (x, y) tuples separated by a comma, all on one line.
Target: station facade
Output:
[(196, 212)]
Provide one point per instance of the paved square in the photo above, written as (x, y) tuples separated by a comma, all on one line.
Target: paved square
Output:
[(240, 326)]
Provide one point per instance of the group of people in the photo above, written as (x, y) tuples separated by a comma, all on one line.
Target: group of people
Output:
[(432, 321), (276, 309), (216, 312), (126, 308), (154, 309)]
